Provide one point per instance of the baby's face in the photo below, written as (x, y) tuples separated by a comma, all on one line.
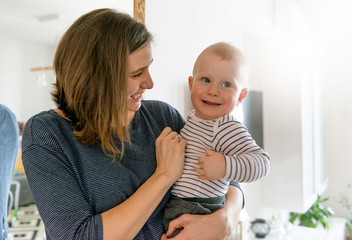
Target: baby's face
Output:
[(215, 91)]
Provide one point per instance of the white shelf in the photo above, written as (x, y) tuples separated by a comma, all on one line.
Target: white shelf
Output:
[(336, 232)]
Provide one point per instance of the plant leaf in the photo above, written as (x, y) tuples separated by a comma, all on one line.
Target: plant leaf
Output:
[(307, 221), (329, 212), (325, 223), (294, 216)]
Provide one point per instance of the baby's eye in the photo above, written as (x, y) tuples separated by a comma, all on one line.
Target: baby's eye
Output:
[(206, 80), (226, 84)]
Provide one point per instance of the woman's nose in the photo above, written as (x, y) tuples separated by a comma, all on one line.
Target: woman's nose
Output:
[(147, 82)]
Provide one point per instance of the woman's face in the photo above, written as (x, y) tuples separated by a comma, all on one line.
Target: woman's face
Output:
[(139, 78)]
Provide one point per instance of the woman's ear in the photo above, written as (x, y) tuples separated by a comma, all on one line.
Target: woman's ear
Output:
[(190, 82), (242, 96)]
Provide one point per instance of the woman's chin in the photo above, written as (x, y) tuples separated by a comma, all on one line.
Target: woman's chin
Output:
[(134, 106)]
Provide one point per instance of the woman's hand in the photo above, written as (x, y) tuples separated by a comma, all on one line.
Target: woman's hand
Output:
[(216, 226), (198, 227), (170, 153)]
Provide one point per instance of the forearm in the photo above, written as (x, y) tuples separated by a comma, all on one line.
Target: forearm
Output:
[(126, 220), (234, 199), (233, 206), (248, 167), (245, 160)]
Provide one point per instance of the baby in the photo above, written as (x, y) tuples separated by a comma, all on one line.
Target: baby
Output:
[(219, 148)]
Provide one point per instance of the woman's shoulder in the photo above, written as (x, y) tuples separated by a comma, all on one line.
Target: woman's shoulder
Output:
[(155, 104), (162, 112), (159, 108), (45, 118), (43, 127)]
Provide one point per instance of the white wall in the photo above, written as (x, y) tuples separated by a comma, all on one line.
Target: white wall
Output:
[(337, 74), (182, 29), (19, 87), (10, 74)]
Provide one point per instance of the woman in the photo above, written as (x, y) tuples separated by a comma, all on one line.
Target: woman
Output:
[(100, 165)]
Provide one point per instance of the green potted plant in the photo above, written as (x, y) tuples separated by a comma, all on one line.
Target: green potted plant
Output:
[(347, 204), (316, 214), (349, 228)]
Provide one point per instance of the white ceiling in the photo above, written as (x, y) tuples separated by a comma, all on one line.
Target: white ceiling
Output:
[(45, 20)]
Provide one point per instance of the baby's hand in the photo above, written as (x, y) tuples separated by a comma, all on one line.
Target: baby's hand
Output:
[(212, 166)]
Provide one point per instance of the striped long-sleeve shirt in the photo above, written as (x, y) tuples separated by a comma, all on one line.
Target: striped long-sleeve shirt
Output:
[(245, 160)]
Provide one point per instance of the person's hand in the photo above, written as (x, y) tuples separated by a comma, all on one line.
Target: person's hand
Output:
[(212, 166), (170, 153), (200, 227), (214, 226)]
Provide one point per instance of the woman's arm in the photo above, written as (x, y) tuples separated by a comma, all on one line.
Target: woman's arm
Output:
[(63, 204), (215, 226), (133, 213)]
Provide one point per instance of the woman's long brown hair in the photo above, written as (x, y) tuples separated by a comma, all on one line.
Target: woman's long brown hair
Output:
[(91, 79)]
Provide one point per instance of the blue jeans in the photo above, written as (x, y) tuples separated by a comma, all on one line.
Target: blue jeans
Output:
[(9, 144)]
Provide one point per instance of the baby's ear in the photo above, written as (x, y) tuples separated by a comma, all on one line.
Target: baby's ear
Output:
[(190, 82), (242, 96)]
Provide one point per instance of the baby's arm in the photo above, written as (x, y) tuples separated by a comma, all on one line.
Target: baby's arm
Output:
[(245, 160), (247, 167), (237, 157), (244, 168)]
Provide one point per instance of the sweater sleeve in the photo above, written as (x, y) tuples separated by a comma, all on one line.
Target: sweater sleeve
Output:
[(245, 160), (56, 191)]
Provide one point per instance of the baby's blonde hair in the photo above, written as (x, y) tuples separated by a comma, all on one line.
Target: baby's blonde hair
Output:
[(228, 52)]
